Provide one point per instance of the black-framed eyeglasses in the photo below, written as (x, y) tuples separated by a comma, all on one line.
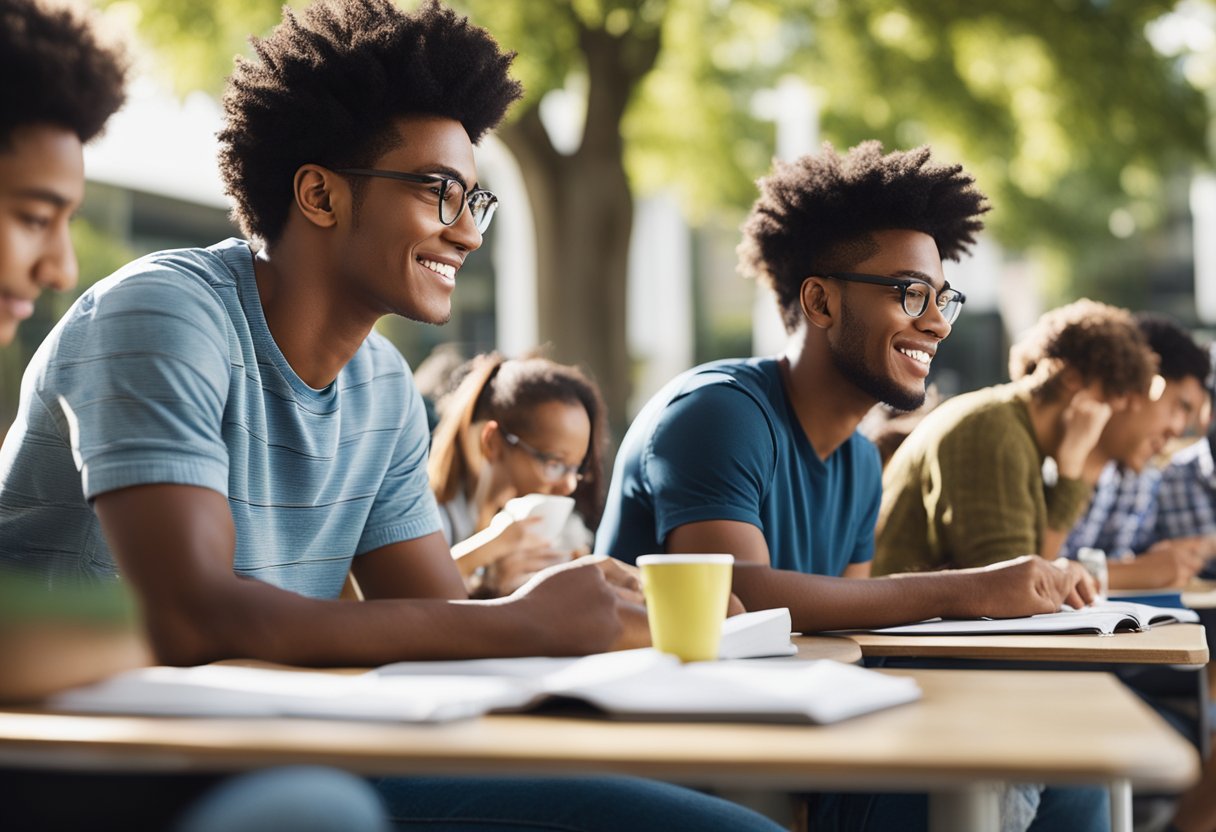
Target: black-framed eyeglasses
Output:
[(552, 469), (452, 195), (914, 294)]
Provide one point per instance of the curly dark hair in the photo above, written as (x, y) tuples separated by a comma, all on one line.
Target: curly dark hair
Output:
[(55, 70), (328, 85), (1102, 343), (1177, 353), (815, 215)]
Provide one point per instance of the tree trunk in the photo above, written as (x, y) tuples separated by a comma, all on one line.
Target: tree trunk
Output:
[(583, 211)]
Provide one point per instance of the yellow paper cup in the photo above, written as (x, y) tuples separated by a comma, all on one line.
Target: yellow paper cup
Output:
[(686, 599)]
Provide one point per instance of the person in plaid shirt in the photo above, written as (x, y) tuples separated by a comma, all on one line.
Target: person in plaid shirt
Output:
[(1185, 506), (1154, 523)]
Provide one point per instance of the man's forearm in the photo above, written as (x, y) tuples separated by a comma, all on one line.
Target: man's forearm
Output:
[(254, 620), (819, 603)]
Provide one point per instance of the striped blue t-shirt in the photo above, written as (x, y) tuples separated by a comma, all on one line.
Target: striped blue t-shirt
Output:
[(166, 372)]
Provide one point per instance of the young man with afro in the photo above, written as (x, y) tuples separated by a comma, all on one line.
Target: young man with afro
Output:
[(222, 427), (58, 85), (760, 457)]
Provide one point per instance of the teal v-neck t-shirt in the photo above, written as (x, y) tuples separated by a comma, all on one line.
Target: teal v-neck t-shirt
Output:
[(722, 442)]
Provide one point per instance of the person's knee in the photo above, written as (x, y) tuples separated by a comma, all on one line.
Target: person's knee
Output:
[(304, 799)]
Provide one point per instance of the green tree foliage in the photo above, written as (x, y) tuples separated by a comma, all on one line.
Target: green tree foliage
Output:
[(1070, 119), (1062, 109)]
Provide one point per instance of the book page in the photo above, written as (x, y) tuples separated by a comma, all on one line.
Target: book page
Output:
[(1072, 621), (816, 692), (1148, 615), (216, 690), (1106, 618)]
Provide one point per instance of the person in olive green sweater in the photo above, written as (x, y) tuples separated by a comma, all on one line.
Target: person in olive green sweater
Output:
[(973, 484)]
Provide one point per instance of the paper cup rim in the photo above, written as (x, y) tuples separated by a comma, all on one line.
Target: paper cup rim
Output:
[(659, 560)]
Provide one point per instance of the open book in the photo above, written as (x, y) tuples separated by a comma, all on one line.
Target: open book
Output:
[(633, 684), (1105, 618)]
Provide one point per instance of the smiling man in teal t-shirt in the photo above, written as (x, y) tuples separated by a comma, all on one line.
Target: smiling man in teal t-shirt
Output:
[(760, 458)]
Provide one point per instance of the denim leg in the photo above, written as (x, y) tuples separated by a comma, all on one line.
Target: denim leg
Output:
[(1078, 809), (553, 804), (868, 812), (299, 798), (1075, 809)]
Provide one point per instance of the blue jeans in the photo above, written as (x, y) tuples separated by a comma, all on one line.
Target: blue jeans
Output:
[(299, 798), (559, 804), (1073, 809)]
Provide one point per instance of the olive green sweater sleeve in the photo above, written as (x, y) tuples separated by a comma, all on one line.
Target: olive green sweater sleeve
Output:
[(966, 489), (1065, 502), (989, 504)]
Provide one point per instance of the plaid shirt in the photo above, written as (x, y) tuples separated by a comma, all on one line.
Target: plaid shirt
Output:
[(1186, 500), (1120, 515), (1131, 512)]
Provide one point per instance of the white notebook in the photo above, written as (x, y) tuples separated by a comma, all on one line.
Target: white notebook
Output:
[(1105, 618), (632, 684), (757, 634)]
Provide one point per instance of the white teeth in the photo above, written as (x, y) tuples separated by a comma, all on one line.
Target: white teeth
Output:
[(919, 356), (442, 268)]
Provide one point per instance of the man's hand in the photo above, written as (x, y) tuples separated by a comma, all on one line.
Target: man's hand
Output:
[(573, 609), (1084, 419), (1168, 563), (490, 545), (513, 570), (1019, 587), (625, 578), (1085, 592), (626, 581)]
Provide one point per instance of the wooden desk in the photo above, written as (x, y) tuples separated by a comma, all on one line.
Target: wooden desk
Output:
[(1174, 644), (970, 733)]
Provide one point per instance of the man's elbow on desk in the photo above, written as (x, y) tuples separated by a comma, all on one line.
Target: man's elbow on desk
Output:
[(197, 628)]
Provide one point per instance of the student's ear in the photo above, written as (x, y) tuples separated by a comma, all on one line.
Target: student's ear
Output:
[(814, 297), (313, 188), (1071, 382), (491, 440)]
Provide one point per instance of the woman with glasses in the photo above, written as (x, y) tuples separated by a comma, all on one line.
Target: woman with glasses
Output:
[(514, 427)]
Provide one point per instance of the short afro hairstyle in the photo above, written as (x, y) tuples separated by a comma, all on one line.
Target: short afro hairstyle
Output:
[(328, 84), (1178, 355), (815, 215), (55, 70), (1099, 342)]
